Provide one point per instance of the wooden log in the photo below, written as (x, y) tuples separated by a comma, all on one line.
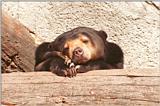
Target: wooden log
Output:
[(126, 87), (17, 45)]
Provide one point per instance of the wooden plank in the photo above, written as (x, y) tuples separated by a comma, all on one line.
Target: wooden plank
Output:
[(17, 44), (101, 87)]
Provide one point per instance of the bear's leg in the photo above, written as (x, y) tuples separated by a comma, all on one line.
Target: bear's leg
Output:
[(43, 66), (93, 65), (59, 67), (115, 66)]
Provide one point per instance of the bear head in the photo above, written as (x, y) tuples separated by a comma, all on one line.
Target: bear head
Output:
[(82, 44)]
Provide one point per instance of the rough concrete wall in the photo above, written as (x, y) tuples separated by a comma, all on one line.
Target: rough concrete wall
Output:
[(133, 25)]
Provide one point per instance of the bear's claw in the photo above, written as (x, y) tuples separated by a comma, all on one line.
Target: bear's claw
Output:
[(72, 69), (67, 61)]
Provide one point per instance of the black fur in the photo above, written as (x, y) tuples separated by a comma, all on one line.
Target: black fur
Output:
[(113, 58)]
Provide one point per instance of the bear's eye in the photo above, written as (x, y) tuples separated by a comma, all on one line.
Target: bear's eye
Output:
[(85, 41), (66, 48)]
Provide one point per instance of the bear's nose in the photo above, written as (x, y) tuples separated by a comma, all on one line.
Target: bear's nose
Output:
[(78, 51)]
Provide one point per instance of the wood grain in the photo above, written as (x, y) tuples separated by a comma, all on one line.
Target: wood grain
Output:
[(126, 87), (17, 45)]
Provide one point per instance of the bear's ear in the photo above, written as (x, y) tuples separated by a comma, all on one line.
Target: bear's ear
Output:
[(102, 34)]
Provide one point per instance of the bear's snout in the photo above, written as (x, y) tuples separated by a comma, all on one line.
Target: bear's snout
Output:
[(78, 52)]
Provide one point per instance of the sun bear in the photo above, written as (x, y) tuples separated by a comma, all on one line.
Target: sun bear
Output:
[(79, 50)]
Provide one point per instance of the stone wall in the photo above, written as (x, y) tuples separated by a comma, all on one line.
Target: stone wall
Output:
[(133, 25)]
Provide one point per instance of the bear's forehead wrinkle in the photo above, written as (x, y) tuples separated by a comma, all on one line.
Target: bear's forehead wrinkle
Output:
[(74, 34)]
